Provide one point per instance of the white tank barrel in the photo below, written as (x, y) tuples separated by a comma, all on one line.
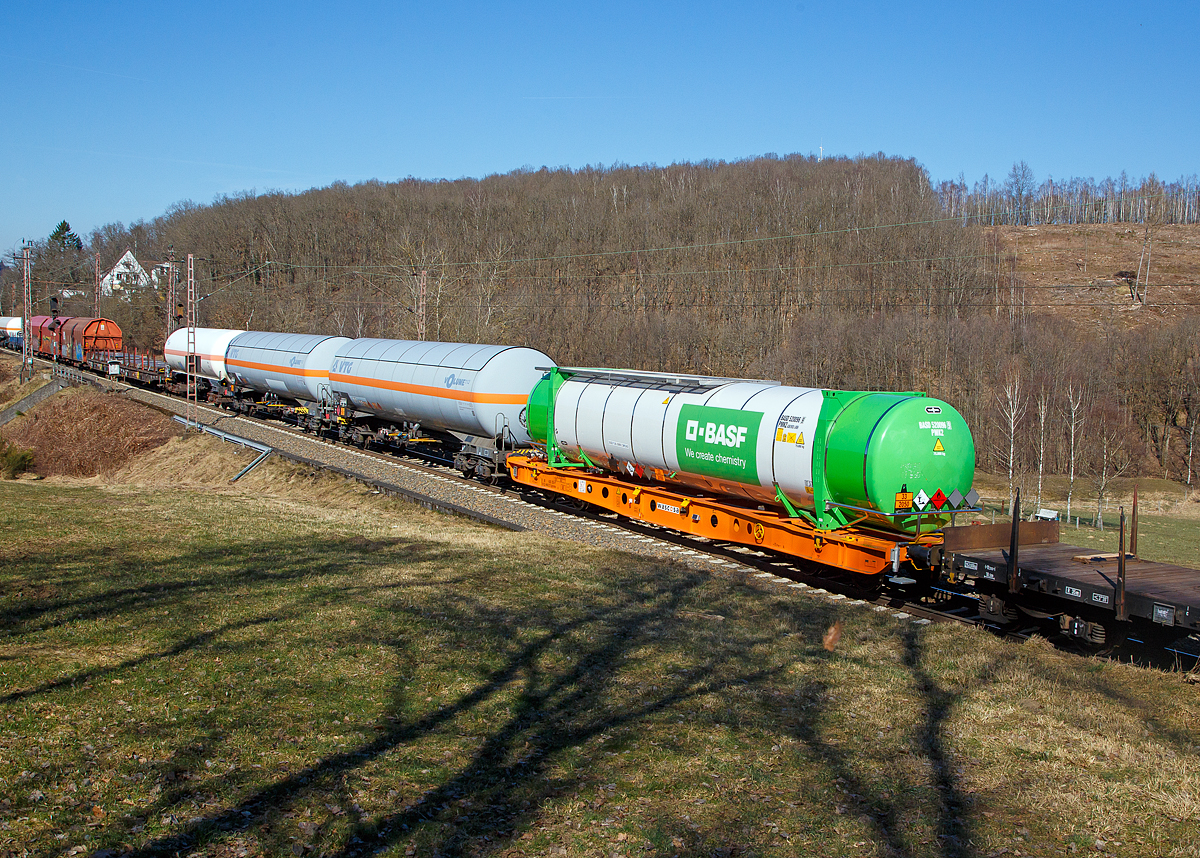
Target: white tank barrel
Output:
[(211, 344), (295, 366), (458, 387), (631, 423)]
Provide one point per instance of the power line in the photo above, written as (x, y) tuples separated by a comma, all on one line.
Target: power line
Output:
[(393, 270), (406, 270)]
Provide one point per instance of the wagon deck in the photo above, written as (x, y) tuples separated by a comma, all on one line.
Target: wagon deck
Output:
[(1162, 593)]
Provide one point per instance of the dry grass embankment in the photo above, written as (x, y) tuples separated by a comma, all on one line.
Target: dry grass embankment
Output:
[(300, 667), (84, 433), (11, 388)]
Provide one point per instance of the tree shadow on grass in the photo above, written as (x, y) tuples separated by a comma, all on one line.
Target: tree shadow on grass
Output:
[(558, 675), (881, 811), (552, 679), (78, 588)]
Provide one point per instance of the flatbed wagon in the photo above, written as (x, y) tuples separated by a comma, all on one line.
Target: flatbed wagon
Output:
[(1090, 593), (130, 365)]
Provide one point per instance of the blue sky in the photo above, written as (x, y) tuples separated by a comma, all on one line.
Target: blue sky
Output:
[(115, 111)]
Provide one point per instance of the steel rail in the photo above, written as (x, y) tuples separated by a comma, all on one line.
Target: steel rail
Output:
[(754, 561)]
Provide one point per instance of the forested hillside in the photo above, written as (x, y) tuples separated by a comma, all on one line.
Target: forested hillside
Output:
[(854, 273)]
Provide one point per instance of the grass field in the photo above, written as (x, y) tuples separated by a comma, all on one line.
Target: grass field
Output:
[(309, 670)]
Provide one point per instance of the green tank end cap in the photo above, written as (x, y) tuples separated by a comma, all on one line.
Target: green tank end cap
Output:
[(885, 447), (537, 409)]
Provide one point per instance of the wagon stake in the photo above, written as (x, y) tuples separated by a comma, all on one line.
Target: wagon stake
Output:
[(1014, 584), (1122, 610), (1133, 524)]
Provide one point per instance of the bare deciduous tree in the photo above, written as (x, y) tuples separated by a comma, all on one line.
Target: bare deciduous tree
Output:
[(1043, 410), (1108, 455), (1075, 413), (1011, 405)]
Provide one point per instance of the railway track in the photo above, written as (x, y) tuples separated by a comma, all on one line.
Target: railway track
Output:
[(440, 487)]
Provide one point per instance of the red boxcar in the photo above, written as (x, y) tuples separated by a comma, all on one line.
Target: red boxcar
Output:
[(43, 339), (81, 337), (74, 339)]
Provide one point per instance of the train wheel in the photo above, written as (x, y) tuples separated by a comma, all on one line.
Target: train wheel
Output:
[(1097, 634), (996, 610)]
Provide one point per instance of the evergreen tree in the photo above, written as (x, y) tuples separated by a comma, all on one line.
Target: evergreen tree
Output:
[(63, 239)]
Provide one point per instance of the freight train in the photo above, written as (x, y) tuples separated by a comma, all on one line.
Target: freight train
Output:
[(902, 462), (862, 482), (12, 332)]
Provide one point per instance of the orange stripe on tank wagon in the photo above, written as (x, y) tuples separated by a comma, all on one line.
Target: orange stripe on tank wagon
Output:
[(285, 370), (441, 393), (176, 353)]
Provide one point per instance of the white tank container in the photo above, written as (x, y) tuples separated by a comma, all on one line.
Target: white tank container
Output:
[(291, 365), (211, 344), (478, 390), (10, 325), (739, 438)]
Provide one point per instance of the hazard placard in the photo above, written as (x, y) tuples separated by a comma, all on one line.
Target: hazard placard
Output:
[(937, 446), (904, 500), (939, 499)]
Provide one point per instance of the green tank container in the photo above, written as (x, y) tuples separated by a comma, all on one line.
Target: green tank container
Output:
[(904, 461)]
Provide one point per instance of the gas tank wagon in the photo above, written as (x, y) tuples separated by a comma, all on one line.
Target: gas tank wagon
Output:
[(834, 456)]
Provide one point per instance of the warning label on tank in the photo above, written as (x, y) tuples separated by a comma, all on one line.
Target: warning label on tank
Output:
[(718, 442)]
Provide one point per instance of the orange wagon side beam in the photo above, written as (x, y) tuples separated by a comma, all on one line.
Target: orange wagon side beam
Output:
[(860, 551)]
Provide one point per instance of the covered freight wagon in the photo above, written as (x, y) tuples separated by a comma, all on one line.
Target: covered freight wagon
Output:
[(81, 337)]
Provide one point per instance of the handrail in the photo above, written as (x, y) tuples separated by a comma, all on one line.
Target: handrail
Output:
[(224, 436)]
